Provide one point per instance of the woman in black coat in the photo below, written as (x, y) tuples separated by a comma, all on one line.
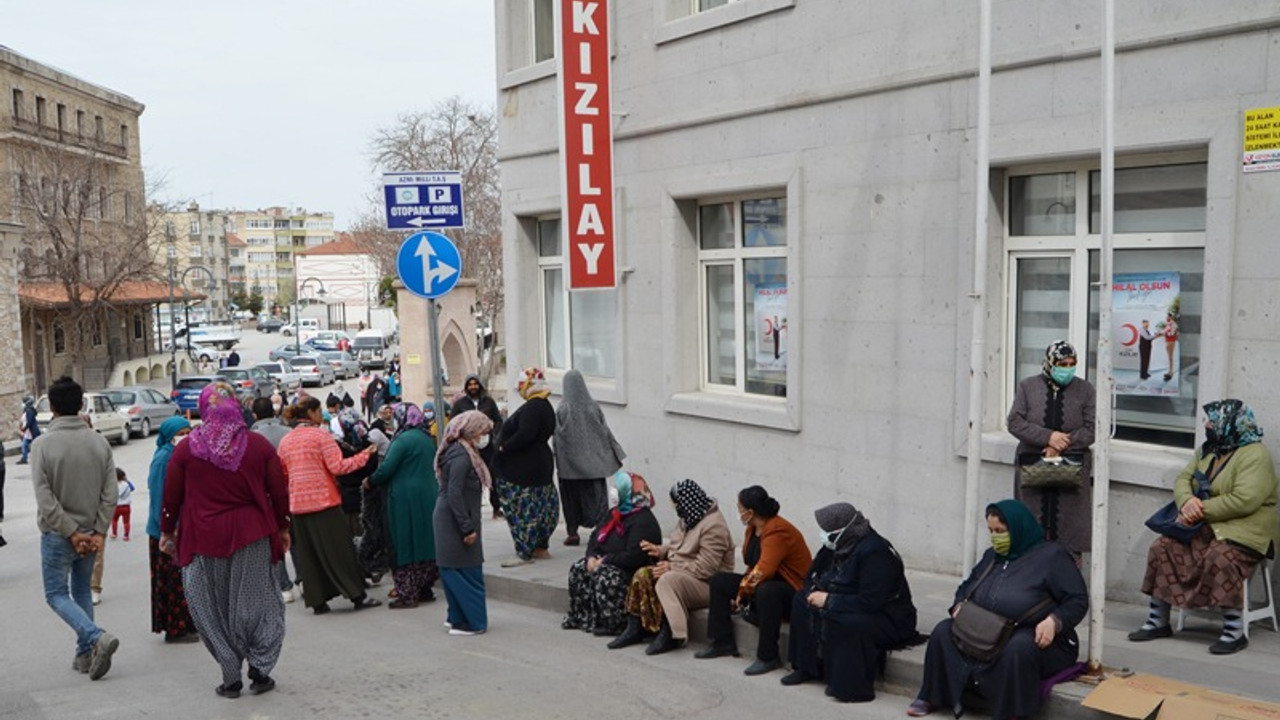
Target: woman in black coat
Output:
[(1026, 579), (854, 607), (525, 467), (598, 581)]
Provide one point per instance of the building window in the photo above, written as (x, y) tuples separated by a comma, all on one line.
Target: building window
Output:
[(96, 334), (543, 28), (62, 119), (124, 136), (17, 103), (579, 329), (40, 111), (59, 338), (102, 202), (742, 259), (193, 227), (701, 5), (137, 326), (98, 133), (1054, 251), (80, 123)]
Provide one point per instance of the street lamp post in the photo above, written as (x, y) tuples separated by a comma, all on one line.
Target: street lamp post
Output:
[(186, 308), (297, 317), (173, 340)]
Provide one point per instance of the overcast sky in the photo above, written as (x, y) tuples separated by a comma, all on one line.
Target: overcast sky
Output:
[(267, 102)]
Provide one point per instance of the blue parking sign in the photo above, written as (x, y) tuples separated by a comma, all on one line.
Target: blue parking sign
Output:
[(420, 200), (429, 264)]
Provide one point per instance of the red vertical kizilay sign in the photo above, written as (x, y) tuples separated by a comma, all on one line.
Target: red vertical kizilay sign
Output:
[(587, 143)]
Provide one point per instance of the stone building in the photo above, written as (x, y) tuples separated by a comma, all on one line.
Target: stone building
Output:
[(12, 374), (814, 162), (272, 236), (200, 239)]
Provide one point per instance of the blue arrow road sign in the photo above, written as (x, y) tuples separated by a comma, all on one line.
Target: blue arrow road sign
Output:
[(429, 264), (421, 200)]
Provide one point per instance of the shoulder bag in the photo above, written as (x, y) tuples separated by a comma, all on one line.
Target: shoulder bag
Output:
[(1064, 471), (982, 634), (1165, 520)]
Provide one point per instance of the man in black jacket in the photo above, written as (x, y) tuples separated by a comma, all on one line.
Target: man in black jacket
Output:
[(475, 397)]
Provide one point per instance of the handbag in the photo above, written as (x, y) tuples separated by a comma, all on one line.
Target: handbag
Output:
[(981, 634), (1165, 520), (1063, 471)]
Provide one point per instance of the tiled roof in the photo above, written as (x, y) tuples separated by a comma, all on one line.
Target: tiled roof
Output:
[(234, 240), (344, 245), (50, 294)]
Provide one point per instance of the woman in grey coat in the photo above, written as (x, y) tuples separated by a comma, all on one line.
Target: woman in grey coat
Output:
[(1053, 415), (586, 454), (464, 478)]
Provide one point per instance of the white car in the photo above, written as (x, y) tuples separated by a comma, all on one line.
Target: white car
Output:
[(283, 374), (98, 411), (314, 369), (200, 351)]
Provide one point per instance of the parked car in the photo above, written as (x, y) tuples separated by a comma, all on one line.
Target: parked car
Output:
[(314, 369), (344, 366), (200, 351), (282, 374), (144, 407), (285, 352), (320, 345), (97, 410), (309, 325), (371, 349), (187, 395), (248, 381), (270, 325)]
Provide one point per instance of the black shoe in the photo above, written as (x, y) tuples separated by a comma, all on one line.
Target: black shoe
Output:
[(632, 635), (795, 677), (664, 642), (715, 651), (760, 667), (1223, 647), (364, 601), (261, 682), (321, 609), (1145, 634), (568, 623), (231, 691)]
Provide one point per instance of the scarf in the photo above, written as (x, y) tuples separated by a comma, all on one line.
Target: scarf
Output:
[(585, 447), (1231, 426), (623, 501), (533, 384), (692, 503), (1057, 351), (847, 519), (222, 437), (464, 429), (1024, 532), (354, 429)]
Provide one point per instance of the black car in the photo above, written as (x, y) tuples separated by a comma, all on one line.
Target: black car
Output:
[(270, 325)]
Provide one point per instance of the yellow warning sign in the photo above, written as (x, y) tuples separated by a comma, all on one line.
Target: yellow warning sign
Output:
[(1262, 139)]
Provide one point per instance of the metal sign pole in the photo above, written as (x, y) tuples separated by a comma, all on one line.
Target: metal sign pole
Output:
[(437, 382)]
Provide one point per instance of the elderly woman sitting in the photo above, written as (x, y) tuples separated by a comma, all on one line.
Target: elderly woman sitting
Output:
[(598, 581), (660, 598), (1238, 527)]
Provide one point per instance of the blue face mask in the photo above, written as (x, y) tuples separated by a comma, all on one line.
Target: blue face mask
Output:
[(1063, 375)]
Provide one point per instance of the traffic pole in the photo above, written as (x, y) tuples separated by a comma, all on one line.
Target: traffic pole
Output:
[(437, 372)]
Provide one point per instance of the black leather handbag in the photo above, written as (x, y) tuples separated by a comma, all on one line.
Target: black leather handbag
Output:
[(981, 634)]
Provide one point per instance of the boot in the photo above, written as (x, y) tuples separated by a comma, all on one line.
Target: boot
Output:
[(632, 635), (664, 642)]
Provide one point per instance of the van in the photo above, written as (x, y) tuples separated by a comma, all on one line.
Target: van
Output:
[(371, 349)]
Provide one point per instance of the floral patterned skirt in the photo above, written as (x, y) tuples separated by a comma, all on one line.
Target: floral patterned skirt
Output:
[(642, 600), (596, 600), (169, 613), (532, 514)]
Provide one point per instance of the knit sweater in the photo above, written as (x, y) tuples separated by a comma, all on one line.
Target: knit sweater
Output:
[(74, 476), (312, 459)]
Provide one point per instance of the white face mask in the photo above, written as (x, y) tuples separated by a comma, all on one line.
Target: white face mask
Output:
[(829, 539), (483, 442), (177, 439)]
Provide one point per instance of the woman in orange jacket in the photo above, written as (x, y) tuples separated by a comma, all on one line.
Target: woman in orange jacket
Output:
[(777, 560)]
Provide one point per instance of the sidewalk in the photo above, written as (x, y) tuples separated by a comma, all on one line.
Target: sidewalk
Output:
[(1251, 673)]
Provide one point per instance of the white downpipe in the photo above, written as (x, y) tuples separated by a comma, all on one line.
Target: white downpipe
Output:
[(1106, 378), (977, 347)]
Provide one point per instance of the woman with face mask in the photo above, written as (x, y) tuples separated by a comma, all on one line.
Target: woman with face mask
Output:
[(1025, 579), (855, 606), (777, 560), (1053, 416)]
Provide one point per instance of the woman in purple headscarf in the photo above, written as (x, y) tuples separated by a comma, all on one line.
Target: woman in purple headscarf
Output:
[(225, 518)]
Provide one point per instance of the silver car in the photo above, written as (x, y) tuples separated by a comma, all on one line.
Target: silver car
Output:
[(144, 407), (344, 366), (282, 374), (314, 369)]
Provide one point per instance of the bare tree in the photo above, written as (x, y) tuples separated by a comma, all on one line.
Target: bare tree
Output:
[(88, 231), (453, 135)]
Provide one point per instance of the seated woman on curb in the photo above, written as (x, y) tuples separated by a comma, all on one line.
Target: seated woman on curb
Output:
[(598, 581), (660, 598), (777, 560), (1025, 579), (1239, 528), (854, 607)]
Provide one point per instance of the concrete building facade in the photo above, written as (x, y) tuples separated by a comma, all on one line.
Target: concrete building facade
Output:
[(795, 226), (349, 275), (200, 239), (272, 236)]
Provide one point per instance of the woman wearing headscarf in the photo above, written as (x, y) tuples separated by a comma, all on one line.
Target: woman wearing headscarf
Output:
[(586, 454), (1025, 579), (169, 613), (1238, 528), (598, 581), (225, 517), (326, 560), (463, 478), (1052, 416), (409, 477), (777, 560), (662, 597), (854, 607), (355, 439), (525, 467)]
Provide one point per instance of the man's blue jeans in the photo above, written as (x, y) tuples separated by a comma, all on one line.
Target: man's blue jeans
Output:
[(73, 603), (26, 448)]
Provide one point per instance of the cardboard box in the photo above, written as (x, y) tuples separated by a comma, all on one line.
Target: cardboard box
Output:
[(1150, 696)]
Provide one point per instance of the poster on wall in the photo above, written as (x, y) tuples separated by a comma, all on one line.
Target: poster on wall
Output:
[(1262, 140), (771, 326), (1145, 311)]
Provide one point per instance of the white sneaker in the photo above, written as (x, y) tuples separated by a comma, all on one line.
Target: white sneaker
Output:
[(460, 632), (97, 598), (288, 596), (447, 625)]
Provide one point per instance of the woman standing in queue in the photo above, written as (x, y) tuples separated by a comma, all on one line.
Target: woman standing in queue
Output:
[(463, 479), (525, 469), (169, 612)]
